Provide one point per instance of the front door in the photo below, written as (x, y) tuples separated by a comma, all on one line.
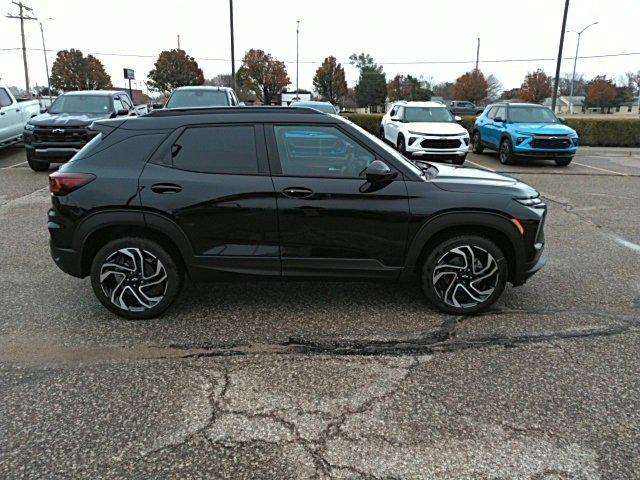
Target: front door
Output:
[(332, 222), (214, 183), (10, 117)]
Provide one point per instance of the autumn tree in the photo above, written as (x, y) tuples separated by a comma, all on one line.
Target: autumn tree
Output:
[(601, 92), (173, 69), (371, 89), (265, 76), (471, 86), (71, 70), (536, 87), (445, 90), (408, 88), (330, 82)]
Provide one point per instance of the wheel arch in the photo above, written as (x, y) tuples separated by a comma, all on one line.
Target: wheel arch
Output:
[(496, 227)]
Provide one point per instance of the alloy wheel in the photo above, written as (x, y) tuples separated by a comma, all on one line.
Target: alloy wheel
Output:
[(133, 279), (465, 276), (505, 152)]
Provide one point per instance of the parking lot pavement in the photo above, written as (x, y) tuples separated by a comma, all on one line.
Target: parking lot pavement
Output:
[(332, 380)]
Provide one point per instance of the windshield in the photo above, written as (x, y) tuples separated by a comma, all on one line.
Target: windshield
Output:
[(82, 104), (198, 98), (323, 107), (391, 151), (427, 114), (532, 115)]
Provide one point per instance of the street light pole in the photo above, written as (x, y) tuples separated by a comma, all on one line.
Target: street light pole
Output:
[(557, 82), (297, 58), (46, 63), (575, 61), (233, 57)]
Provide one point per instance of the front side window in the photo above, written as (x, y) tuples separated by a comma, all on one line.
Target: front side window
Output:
[(532, 115), (501, 112), (393, 111), (220, 149), (428, 114), (117, 104), (491, 113), (198, 98), (319, 151), (82, 104), (5, 99)]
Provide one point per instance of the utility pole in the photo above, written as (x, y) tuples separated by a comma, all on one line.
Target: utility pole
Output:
[(46, 63), (575, 61), (233, 55), (22, 18), (557, 81), (478, 54), (178, 41), (297, 58)]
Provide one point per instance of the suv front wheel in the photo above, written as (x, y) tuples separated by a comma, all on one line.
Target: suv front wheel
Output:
[(135, 278), (464, 275)]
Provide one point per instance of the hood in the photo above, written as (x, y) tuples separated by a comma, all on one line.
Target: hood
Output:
[(544, 128), (436, 128), (67, 119), (474, 180)]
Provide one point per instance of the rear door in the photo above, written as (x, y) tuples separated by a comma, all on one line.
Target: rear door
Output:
[(334, 223), (213, 182)]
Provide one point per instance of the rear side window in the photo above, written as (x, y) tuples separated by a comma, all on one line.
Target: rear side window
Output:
[(5, 99), (219, 149)]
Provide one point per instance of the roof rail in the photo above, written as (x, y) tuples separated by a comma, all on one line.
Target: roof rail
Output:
[(171, 112)]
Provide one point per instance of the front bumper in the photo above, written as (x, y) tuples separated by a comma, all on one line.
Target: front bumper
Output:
[(544, 146), (434, 145)]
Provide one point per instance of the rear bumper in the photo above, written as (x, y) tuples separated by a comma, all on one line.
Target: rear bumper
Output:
[(66, 259)]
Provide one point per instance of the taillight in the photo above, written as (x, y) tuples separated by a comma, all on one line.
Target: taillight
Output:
[(61, 183)]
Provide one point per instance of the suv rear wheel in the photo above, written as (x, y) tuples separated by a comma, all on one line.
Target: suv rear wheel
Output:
[(464, 274), (135, 278)]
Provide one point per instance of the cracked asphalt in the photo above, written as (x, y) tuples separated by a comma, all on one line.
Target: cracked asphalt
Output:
[(333, 380)]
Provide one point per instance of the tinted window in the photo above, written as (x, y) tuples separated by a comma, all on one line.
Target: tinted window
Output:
[(5, 99), (222, 149), (501, 112), (315, 151), (198, 98), (125, 101), (428, 114), (492, 112), (82, 104), (117, 105), (532, 115), (393, 111)]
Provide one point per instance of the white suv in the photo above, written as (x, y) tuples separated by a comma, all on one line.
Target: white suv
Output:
[(425, 129)]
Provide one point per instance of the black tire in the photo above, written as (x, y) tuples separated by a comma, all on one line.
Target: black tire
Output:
[(436, 272), (505, 152), (381, 135), (476, 143), (459, 160), (402, 148), (37, 165), (158, 297), (563, 162)]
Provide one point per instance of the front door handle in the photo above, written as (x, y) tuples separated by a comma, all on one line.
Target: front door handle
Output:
[(297, 192), (166, 188)]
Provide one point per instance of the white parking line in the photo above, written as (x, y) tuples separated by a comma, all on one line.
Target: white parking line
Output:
[(601, 169), (626, 243), (479, 165), (11, 166)]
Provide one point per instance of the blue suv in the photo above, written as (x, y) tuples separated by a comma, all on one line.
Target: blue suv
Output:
[(524, 130)]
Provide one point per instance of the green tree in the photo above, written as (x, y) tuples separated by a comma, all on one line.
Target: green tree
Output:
[(173, 69), (371, 90), (330, 82), (408, 88), (71, 70), (471, 86), (265, 76)]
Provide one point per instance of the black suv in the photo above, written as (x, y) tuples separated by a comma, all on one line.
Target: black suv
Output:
[(281, 193)]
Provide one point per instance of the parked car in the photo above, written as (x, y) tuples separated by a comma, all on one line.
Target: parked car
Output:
[(425, 129), (14, 114), (60, 132), (458, 107), (524, 130), (324, 107), (202, 96), (281, 193)]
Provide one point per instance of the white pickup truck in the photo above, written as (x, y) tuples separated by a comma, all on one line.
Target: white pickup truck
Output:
[(14, 114)]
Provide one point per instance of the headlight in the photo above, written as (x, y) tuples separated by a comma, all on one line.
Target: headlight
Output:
[(29, 127), (417, 133), (530, 202), (519, 132)]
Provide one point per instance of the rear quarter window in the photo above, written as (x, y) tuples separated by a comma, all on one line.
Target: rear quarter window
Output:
[(120, 151)]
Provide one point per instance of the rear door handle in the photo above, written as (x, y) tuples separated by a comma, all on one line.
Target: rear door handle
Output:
[(166, 188), (297, 192)]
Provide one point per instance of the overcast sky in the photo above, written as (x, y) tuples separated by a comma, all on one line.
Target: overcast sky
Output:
[(399, 31)]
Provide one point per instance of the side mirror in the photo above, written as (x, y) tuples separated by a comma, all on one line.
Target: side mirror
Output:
[(395, 118), (378, 171), (44, 110), (156, 106), (458, 119), (562, 120), (498, 120), (122, 112)]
